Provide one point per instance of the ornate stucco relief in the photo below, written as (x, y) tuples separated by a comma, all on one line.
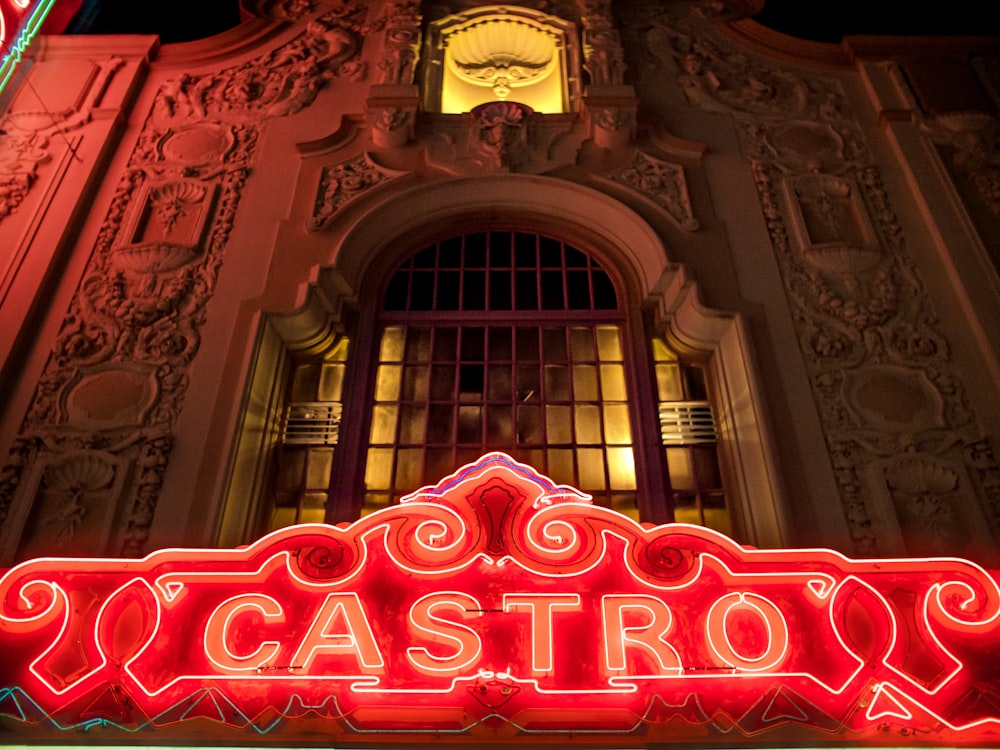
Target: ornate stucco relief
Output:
[(341, 183), (26, 137), (905, 447), (117, 376), (663, 183)]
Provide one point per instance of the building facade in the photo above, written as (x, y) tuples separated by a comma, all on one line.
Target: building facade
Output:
[(699, 270)]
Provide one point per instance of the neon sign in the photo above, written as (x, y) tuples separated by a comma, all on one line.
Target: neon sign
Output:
[(20, 20), (498, 606)]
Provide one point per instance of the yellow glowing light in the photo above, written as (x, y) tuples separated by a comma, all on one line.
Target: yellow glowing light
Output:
[(502, 57)]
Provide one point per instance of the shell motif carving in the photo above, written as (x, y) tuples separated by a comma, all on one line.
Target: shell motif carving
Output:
[(172, 201), (914, 476), (80, 473), (501, 53)]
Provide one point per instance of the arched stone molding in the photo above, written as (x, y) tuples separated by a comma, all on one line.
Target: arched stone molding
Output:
[(746, 445), (396, 222)]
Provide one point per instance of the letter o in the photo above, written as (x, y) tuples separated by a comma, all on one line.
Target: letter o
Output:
[(717, 631)]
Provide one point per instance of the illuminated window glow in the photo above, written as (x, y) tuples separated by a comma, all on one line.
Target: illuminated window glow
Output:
[(498, 54)]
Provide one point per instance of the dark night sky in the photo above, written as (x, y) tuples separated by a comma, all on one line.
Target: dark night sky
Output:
[(818, 20)]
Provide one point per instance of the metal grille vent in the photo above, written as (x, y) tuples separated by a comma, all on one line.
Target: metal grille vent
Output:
[(312, 423), (687, 422)]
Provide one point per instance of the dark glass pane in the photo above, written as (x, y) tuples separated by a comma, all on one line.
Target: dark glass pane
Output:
[(526, 291), (694, 383), (554, 344), (500, 344), (574, 258), (528, 383), (439, 425), (578, 288), (556, 383), (447, 294), (550, 252), (470, 424), (499, 249), (473, 344), (445, 344), (470, 382), (525, 255), (527, 345), (499, 427), (395, 293), (500, 290), (426, 258), (552, 290), (451, 253), (498, 383), (418, 345), (439, 463), (475, 250), (422, 291), (414, 383), (529, 424), (604, 292), (443, 382), (706, 467), (474, 291), (411, 424)]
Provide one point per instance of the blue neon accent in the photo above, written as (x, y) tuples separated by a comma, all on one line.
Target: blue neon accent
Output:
[(20, 44)]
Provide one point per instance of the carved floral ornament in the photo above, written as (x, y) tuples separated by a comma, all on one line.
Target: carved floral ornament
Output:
[(661, 181), (119, 368), (865, 322)]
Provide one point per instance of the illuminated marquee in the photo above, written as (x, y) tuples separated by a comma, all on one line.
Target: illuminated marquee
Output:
[(498, 606), (20, 20)]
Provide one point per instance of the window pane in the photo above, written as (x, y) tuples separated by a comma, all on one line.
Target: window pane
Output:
[(387, 382), (383, 424), (443, 382), (554, 344), (617, 430), (621, 468), (411, 425), (585, 382), (378, 469), (392, 345), (558, 425), (582, 344), (418, 345), (527, 345), (409, 464), (561, 468), (439, 424), (500, 348), (613, 383), (445, 344), (499, 427), (415, 381), (529, 424), (591, 463), (556, 383), (608, 344), (498, 383), (588, 423), (331, 383)]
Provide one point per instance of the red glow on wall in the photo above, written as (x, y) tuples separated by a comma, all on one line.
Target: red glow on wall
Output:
[(497, 606)]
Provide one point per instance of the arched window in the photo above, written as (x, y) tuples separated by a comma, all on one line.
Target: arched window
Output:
[(501, 340), (505, 340)]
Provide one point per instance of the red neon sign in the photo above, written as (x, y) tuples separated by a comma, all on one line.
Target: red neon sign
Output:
[(498, 606)]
